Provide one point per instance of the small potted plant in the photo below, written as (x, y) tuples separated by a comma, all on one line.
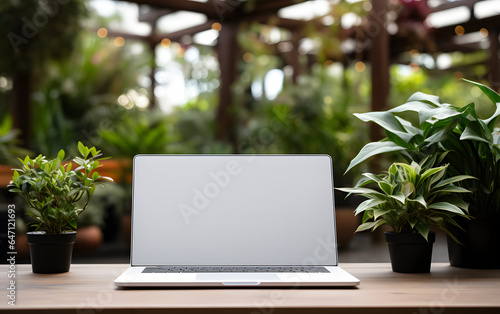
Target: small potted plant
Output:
[(411, 198), (52, 190)]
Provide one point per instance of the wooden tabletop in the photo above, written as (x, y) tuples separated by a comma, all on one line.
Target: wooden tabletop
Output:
[(89, 289)]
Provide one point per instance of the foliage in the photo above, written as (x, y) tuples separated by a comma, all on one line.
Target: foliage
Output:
[(79, 95), (53, 188), (442, 127), (313, 116), (8, 140), (137, 133), (34, 31), (411, 198)]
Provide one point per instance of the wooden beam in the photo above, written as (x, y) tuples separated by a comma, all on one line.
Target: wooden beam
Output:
[(494, 62), (273, 6), (228, 53), (379, 60), (207, 8)]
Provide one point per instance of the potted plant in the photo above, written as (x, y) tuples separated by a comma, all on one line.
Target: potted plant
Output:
[(473, 150), (411, 198), (52, 190)]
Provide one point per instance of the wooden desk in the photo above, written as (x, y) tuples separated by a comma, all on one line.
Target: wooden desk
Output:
[(89, 289)]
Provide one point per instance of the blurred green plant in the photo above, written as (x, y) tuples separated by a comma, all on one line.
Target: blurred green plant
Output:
[(138, 132), (9, 151)]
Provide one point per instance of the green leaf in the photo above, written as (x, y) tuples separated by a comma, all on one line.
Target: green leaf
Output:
[(61, 155), (372, 149), (476, 131), (386, 187), (446, 207), (380, 212), (453, 180), (423, 229), (72, 223), (415, 106), (490, 122), (95, 176), (419, 199), (367, 204), (491, 94), (430, 99), (387, 121), (399, 197)]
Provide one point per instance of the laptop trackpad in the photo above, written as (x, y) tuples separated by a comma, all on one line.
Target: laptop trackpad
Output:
[(228, 277)]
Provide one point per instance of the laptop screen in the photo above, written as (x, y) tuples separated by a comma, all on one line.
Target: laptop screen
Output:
[(233, 210)]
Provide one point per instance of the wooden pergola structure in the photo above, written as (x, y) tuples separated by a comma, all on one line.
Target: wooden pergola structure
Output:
[(378, 47)]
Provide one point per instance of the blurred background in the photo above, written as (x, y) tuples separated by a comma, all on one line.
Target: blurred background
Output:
[(233, 76)]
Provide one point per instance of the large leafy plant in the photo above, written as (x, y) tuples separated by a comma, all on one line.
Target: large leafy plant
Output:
[(53, 188), (411, 198), (440, 127)]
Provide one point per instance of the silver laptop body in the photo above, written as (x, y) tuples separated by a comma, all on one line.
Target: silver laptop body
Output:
[(233, 220)]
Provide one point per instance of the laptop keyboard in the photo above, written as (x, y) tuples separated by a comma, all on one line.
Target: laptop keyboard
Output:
[(240, 269)]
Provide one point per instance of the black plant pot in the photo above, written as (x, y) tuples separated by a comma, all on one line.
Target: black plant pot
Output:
[(410, 252), (480, 240), (51, 253)]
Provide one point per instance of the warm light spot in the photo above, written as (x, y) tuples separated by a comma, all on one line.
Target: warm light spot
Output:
[(217, 26), (247, 57), (483, 32), (415, 67), (328, 62), (102, 32), (360, 66), (459, 30), (165, 42), (414, 53), (119, 41)]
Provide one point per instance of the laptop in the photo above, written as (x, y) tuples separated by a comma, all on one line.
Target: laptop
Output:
[(233, 221)]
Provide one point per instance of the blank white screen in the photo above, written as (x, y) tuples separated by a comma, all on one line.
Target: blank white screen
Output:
[(233, 210)]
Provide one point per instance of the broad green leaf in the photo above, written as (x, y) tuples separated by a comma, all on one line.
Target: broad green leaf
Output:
[(419, 199), (399, 197), (453, 180), (359, 190), (437, 114), (368, 204), (423, 229), (446, 207), (386, 187), (384, 119), (490, 122), (430, 172), (380, 212), (415, 106), (422, 97), (452, 189), (408, 188), (476, 131), (491, 94), (372, 149)]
